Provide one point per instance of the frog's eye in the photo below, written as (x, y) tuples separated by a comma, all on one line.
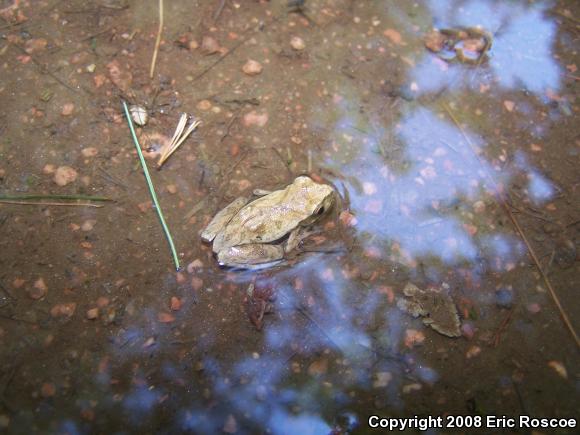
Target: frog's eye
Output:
[(320, 210)]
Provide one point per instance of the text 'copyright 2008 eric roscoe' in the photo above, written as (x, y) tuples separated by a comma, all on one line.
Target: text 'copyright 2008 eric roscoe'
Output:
[(470, 421)]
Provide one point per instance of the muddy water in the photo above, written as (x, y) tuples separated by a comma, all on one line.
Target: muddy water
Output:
[(437, 163)]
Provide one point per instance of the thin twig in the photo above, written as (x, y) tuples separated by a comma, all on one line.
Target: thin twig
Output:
[(229, 126), (221, 59), (107, 176), (249, 33), (157, 40), (44, 69), (219, 10), (565, 15), (527, 213), (66, 197), (503, 202), (60, 204), (151, 188), (502, 327), (5, 290)]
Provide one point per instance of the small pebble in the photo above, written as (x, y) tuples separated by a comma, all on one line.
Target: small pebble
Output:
[(318, 368), (369, 188), (92, 313), (48, 169), (473, 351), (67, 109), (149, 342), (504, 298), (196, 283), (382, 379), (139, 115), (409, 388), (171, 188), (413, 338), (256, 119), (204, 105), (65, 175), (175, 303), (47, 390), (209, 45), (165, 317), (467, 330), (102, 301), (297, 43), (88, 225), (89, 152), (63, 310), (479, 207), (39, 290), (231, 425), (252, 67)]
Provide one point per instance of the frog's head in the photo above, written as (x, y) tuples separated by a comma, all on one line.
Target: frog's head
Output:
[(320, 197)]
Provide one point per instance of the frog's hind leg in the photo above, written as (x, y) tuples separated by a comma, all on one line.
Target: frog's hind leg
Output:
[(252, 256), (221, 219)]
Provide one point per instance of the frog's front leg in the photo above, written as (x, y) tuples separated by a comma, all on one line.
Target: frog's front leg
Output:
[(261, 192), (251, 256), (296, 236), (221, 219)]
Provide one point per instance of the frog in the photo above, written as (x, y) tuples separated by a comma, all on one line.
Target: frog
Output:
[(435, 307), (257, 233)]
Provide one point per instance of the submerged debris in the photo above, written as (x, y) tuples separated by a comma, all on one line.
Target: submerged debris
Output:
[(258, 302), (467, 45), (435, 307)]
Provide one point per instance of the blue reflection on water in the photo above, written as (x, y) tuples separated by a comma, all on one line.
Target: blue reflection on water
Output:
[(523, 53), (283, 423)]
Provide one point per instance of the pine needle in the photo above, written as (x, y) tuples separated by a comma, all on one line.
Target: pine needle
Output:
[(178, 138), (157, 40), (151, 188)]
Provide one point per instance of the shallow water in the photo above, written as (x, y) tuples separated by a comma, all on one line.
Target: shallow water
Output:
[(444, 169)]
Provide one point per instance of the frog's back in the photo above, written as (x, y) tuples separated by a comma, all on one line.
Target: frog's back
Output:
[(265, 220), (271, 217)]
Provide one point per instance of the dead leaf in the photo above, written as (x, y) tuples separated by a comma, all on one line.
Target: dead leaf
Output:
[(559, 368)]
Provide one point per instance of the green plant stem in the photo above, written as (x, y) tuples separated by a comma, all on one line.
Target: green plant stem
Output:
[(151, 188), (61, 197)]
